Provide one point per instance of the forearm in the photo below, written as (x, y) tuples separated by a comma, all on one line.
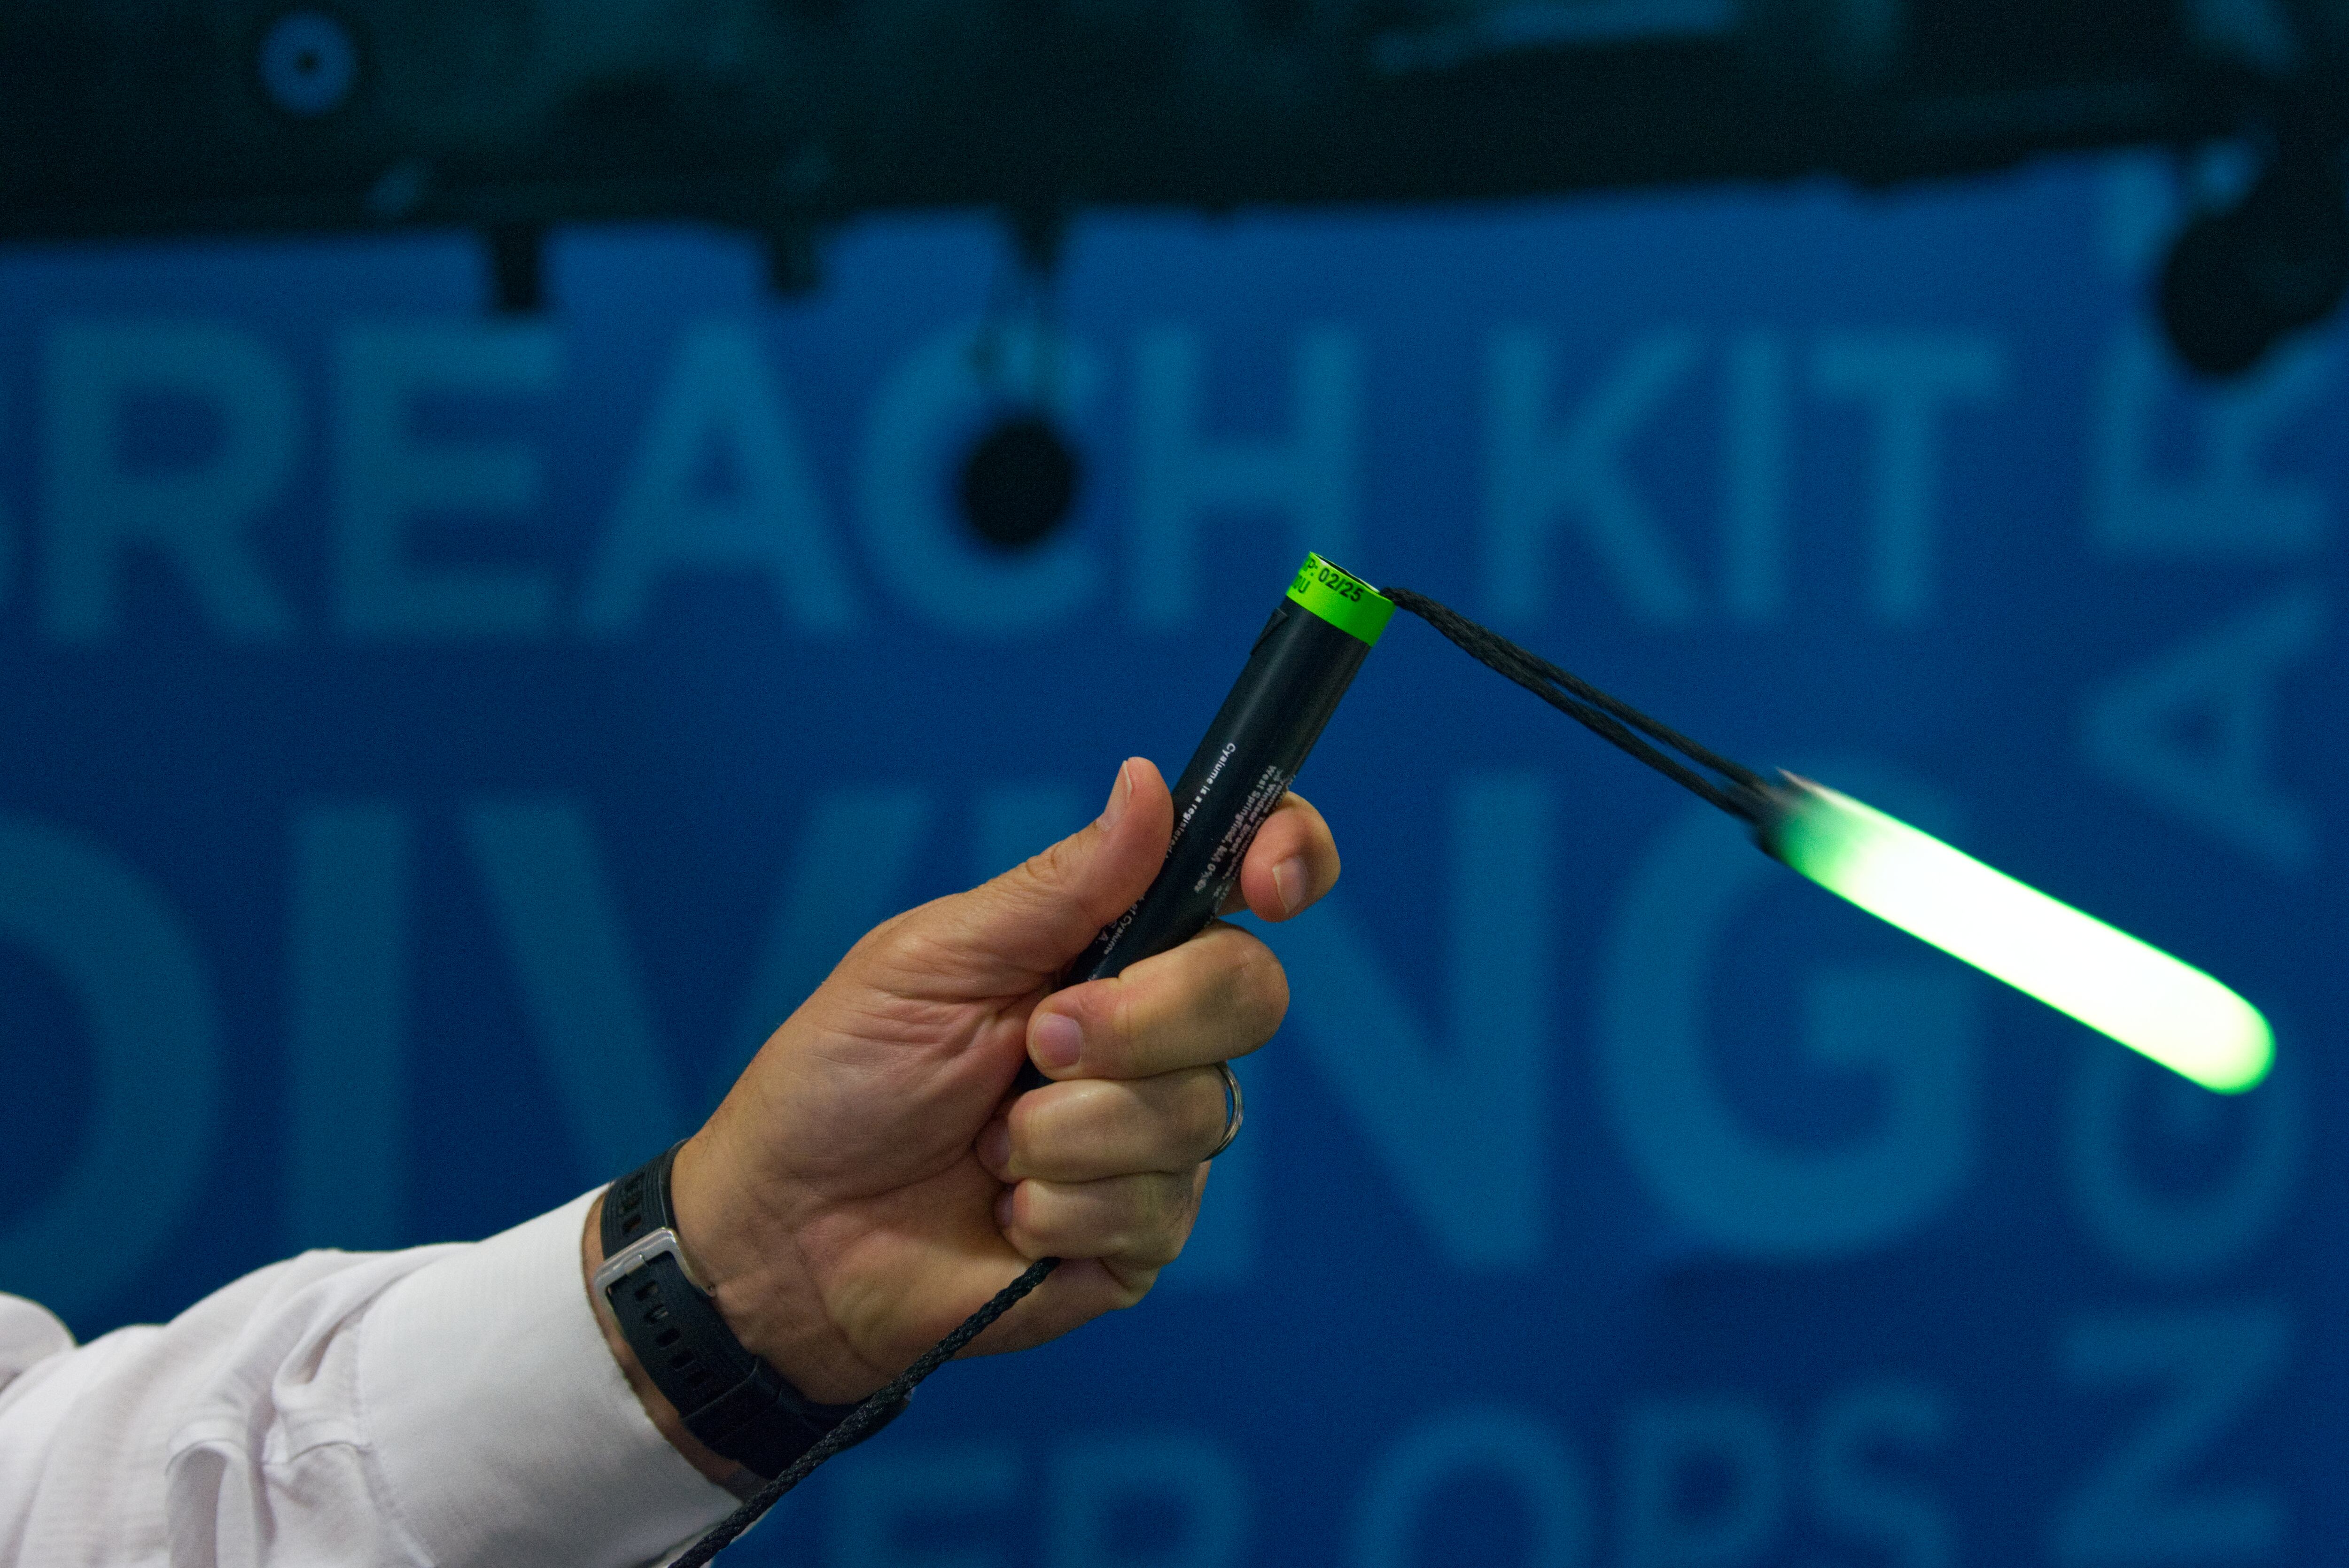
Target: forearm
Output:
[(448, 1405), (656, 1407), (225, 1438), (524, 1443)]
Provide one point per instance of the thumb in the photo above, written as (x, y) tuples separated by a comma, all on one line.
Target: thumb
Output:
[(1038, 915)]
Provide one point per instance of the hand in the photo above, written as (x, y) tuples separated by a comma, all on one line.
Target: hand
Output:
[(867, 1183)]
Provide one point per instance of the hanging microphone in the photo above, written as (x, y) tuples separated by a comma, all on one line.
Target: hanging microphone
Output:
[(1301, 664)]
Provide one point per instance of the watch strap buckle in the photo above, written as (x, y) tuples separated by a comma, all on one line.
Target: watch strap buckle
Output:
[(653, 1243)]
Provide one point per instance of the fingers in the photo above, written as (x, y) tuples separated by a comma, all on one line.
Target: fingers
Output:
[(1292, 863), (1105, 1166), (1093, 1128), (1107, 1176), (1133, 1224), (1220, 994), (1112, 1237)]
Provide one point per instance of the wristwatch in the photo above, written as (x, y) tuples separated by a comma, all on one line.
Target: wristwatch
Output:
[(732, 1400)]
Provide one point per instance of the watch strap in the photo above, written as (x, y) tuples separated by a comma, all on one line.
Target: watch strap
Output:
[(729, 1399)]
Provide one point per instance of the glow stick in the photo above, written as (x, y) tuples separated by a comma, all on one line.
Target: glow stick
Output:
[(2106, 978)]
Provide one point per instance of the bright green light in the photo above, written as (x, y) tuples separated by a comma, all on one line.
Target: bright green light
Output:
[(2107, 979)]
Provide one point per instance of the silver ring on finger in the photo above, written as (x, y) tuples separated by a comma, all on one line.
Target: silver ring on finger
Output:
[(1233, 1112)]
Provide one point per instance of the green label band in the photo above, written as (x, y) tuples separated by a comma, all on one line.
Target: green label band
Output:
[(1342, 599)]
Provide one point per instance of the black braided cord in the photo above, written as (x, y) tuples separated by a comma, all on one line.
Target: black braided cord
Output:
[(1741, 792), (864, 1418)]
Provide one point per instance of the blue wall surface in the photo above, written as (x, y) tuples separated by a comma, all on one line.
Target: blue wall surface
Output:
[(439, 749)]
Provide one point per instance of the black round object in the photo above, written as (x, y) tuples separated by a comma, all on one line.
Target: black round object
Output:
[(309, 63), (1019, 483), (2214, 318), (2236, 282)]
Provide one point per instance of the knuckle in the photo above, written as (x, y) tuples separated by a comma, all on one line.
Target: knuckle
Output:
[(1128, 1281), (1160, 1255), (1127, 1022), (1050, 865), (1020, 1121), (1264, 988), (1083, 1132), (1170, 1200), (1170, 1222), (1040, 1218), (1134, 1222), (893, 940)]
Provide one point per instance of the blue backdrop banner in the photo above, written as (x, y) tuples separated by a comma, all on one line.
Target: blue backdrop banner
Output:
[(441, 746)]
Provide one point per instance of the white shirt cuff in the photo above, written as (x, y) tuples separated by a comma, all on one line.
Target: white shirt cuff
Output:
[(503, 1430)]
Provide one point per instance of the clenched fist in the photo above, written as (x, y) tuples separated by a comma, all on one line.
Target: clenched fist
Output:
[(871, 1181)]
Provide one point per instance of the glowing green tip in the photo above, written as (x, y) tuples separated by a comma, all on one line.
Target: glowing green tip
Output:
[(2107, 979)]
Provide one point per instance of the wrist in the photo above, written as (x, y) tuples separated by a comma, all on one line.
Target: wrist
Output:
[(663, 1414), (724, 1393), (749, 1256)]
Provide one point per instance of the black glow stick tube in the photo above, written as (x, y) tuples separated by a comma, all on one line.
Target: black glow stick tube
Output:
[(1302, 663)]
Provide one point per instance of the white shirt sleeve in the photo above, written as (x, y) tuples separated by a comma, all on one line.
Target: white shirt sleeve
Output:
[(446, 1406)]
